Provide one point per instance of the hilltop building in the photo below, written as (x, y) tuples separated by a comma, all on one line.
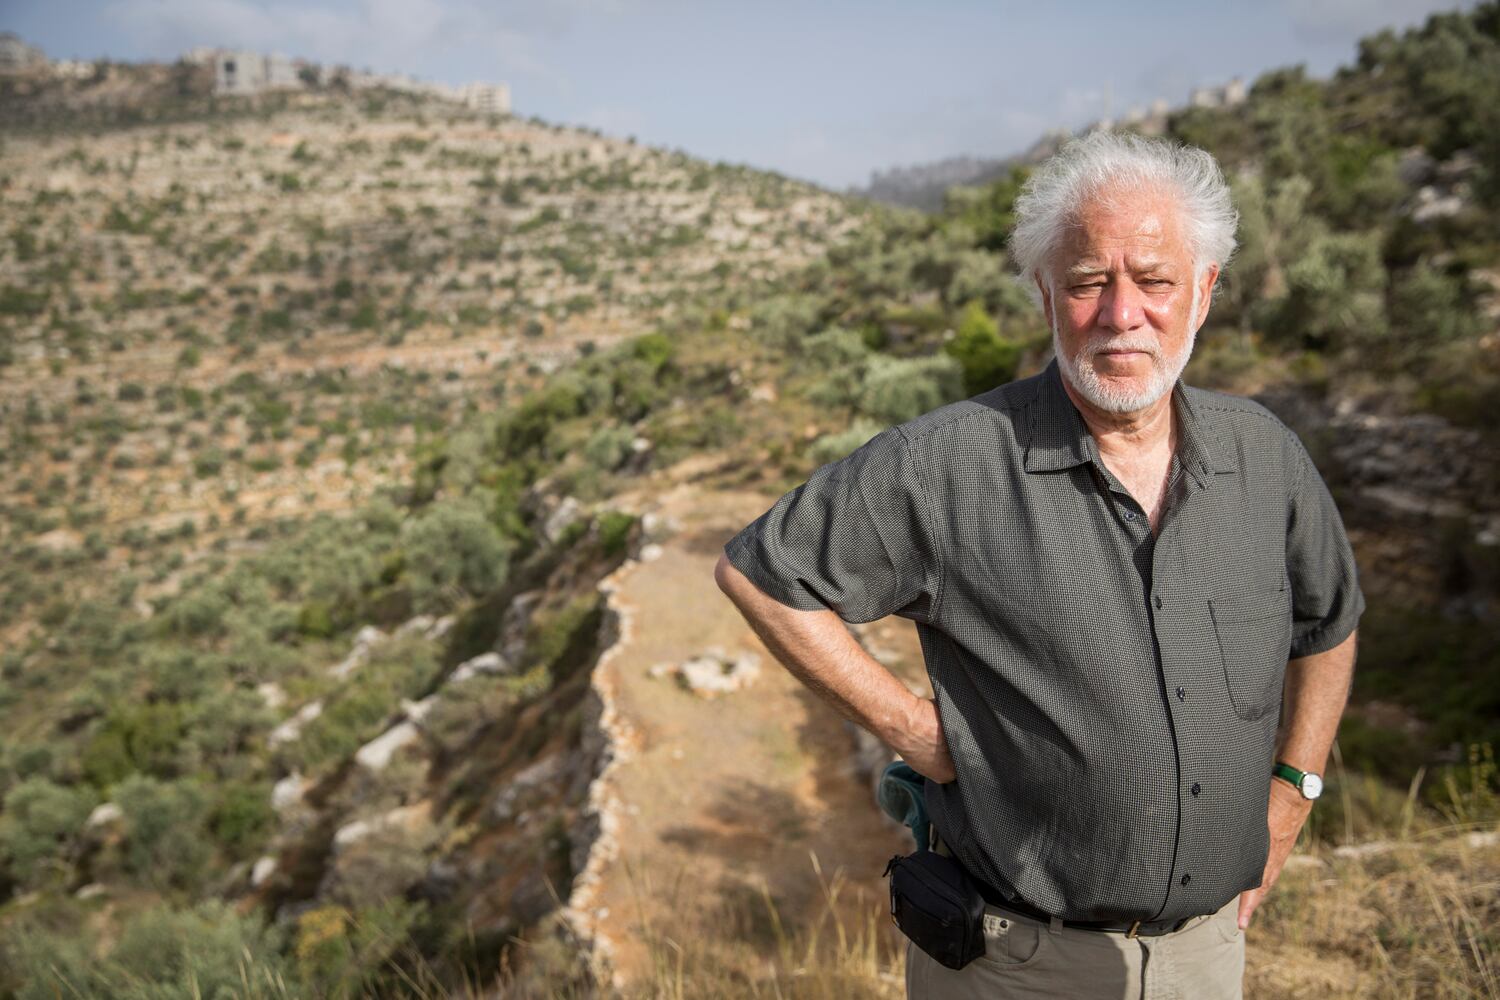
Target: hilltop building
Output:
[(16, 56), (245, 73), (491, 97), (1232, 93), (1152, 120), (242, 72)]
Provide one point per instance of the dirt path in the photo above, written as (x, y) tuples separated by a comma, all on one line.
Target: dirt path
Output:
[(720, 800)]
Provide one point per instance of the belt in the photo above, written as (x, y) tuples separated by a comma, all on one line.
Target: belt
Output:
[(1130, 928)]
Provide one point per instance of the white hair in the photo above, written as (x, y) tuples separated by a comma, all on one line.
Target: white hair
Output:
[(1108, 163)]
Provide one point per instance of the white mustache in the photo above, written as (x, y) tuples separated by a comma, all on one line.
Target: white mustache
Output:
[(1125, 344)]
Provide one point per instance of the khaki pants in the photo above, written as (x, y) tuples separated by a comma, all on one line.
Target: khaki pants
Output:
[(1204, 960)]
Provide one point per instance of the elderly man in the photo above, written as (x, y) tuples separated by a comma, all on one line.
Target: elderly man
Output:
[(1135, 599)]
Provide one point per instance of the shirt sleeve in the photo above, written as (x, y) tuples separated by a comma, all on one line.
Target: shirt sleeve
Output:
[(853, 538), (1326, 597)]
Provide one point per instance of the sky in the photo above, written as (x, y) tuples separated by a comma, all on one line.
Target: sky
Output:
[(822, 90)]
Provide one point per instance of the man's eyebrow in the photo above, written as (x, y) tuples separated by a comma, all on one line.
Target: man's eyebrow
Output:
[(1084, 270), (1149, 265)]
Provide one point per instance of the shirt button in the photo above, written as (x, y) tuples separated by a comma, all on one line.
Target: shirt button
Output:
[(1196, 789), (1181, 694), (1130, 515), (1186, 878), (1157, 601)]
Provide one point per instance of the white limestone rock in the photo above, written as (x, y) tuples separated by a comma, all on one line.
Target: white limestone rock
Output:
[(292, 728), (104, 814), (264, 868), (484, 663), (558, 521), (375, 755), (271, 693), (715, 673), (288, 793)]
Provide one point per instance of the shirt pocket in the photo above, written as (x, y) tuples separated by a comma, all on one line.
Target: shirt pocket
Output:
[(1254, 634)]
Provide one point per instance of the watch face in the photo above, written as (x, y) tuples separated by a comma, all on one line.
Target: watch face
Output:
[(1312, 786)]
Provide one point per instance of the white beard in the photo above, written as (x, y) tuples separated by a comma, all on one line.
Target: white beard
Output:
[(1107, 394)]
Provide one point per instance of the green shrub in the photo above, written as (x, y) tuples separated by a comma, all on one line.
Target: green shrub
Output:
[(897, 389), (38, 827), (241, 817), (207, 951), (1335, 295), (987, 358), (608, 447), (1430, 305), (656, 349), (832, 447), (614, 531), (134, 736), (343, 953), (553, 633), (452, 551), (166, 845)]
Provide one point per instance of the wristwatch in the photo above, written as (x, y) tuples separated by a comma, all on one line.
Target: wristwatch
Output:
[(1309, 784)]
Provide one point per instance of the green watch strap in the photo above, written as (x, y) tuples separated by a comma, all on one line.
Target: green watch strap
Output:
[(1289, 773)]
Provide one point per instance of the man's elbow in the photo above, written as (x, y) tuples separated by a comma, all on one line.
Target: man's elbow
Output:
[(726, 574), (739, 588)]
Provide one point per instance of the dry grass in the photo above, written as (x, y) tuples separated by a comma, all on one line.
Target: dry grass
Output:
[(1415, 918)]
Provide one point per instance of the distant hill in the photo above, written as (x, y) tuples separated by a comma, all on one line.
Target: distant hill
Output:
[(923, 186)]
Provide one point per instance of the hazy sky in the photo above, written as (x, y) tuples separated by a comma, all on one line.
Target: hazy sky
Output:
[(825, 90)]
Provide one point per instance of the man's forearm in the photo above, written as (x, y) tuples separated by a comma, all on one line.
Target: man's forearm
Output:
[(819, 651), (1316, 690)]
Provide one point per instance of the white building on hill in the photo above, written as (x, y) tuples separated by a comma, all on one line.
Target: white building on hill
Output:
[(237, 71), (491, 97)]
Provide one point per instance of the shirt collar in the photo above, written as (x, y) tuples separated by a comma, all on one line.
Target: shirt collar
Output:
[(1059, 438)]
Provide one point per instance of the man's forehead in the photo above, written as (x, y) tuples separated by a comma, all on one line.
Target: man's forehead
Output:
[(1145, 230)]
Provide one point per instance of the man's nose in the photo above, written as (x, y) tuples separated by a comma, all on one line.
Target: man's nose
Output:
[(1121, 306)]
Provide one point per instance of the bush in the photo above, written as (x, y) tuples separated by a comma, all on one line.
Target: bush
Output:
[(165, 842), (135, 736), (832, 447), (987, 358), (1335, 294), (608, 447), (340, 953), (452, 551), (614, 531), (241, 817), (207, 951), (1430, 305), (897, 390), (38, 828)]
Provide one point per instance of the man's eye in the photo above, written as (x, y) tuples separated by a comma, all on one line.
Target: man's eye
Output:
[(1157, 282), (1089, 286)]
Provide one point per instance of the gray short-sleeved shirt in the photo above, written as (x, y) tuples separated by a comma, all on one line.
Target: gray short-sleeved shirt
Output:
[(1110, 697)]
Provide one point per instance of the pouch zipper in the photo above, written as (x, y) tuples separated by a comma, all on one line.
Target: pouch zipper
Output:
[(938, 885)]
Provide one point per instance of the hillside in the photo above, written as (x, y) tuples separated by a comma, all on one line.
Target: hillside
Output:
[(213, 324), (367, 461), (235, 352)]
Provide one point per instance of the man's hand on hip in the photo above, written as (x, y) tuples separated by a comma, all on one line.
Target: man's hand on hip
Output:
[(1288, 812), (923, 745)]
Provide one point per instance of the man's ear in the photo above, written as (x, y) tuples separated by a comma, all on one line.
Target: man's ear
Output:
[(1205, 293), (1046, 299)]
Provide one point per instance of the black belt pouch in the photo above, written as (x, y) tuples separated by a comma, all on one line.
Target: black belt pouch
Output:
[(937, 905)]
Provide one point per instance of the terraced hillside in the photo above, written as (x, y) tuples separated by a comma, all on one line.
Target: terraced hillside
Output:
[(211, 324), (312, 413)]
